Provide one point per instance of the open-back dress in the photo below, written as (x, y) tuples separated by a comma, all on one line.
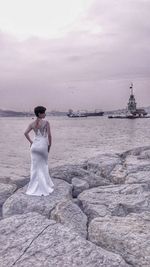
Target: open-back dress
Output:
[(40, 180)]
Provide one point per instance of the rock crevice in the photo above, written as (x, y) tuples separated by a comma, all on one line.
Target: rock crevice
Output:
[(25, 250)]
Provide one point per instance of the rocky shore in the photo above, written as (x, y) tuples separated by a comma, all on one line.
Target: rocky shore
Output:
[(97, 216)]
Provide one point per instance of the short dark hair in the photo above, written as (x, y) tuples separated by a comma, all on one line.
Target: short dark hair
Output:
[(39, 109)]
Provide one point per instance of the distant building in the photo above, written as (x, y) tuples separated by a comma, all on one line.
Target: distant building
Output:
[(132, 105)]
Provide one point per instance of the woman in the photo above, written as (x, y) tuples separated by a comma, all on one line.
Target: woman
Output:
[(40, 181)]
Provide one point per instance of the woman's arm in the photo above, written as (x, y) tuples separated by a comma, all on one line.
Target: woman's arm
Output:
[(49, 136), (26, 133)]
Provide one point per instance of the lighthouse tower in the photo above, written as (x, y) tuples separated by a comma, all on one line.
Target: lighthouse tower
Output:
[(132, 103)]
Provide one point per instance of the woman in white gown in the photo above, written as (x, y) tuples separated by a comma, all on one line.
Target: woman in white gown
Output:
[(40, 181)]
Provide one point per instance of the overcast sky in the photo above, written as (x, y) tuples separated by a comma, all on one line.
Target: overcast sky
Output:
[(80, 54)]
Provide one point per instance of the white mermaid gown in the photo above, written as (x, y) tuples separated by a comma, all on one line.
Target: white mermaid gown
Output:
[(40, 180)]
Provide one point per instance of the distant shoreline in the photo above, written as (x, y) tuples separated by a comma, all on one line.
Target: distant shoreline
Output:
[(11, 113)]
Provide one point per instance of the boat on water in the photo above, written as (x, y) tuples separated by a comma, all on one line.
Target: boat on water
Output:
[(76, 115), (94, 113), (127, 117), (84, 113)]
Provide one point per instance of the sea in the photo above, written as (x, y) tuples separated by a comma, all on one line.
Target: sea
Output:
[(74, 140)]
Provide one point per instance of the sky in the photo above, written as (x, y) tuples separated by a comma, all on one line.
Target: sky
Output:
[(78, 54)]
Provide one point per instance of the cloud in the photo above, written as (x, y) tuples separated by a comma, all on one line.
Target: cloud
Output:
[(102, 52)]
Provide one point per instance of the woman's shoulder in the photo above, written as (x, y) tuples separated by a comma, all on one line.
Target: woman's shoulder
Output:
[(32, 124), (46, 122)]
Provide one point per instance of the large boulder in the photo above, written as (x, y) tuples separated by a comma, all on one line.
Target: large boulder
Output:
[(95, 171), (128, 236), (115, 200), (29, 240), (99, 169), (139, 177), (69, 214), (20, 181), (67, 172), (135, 167), (79, 186), (103, 164), (138, 151), (135, 164), (6, 190), (20, 203)]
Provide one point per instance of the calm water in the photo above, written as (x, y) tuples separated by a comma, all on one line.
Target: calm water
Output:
[(74, 140)]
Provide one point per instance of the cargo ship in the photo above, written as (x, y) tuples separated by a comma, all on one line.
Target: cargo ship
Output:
[(84, 113)]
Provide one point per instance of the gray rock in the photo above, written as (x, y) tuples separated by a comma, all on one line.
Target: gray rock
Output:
[(118, 174), (94, 171), (78, 186), (5, 180), (118, 200), (20, 203), (134, 164), (145, 154), (113, 189), (20, 181), (67, 172), (95, 180), (32, 240), (6, 190), (72, 216), (135, 168), (139, 177), (129, 236), (99, 169), (136, 151), (103, 164)]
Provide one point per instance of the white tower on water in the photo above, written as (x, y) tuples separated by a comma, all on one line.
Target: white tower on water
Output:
[(132, 103)]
